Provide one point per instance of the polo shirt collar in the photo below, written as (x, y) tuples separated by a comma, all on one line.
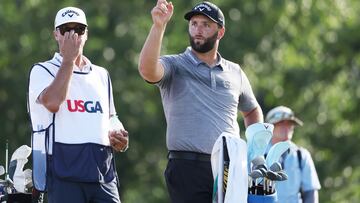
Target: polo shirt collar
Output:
[(221, 62)]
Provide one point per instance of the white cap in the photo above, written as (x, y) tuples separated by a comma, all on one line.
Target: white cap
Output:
[(70, 15), (282, 113)]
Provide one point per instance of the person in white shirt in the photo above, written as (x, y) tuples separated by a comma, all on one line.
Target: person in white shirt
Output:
[(70, 103)]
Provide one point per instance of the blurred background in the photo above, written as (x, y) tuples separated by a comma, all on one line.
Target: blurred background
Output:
[(304, 54)]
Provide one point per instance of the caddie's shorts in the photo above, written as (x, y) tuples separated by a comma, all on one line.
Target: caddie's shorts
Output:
[(60, 191)]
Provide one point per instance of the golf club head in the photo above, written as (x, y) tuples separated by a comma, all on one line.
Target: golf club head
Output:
[(258, 136), (258, 160), (261, 166), (275, 167), (276, 151), (256, 174), (263, 171), (283, 175), (271, 175), (2, 170)]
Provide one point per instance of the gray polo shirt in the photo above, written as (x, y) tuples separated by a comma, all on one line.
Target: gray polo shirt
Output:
[(202, 102)]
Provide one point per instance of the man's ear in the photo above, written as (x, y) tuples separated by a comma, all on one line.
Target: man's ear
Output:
[(56, 35), (86, 34), (221, 33)]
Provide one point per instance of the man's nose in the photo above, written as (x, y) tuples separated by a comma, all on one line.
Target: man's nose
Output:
[(199, 29)]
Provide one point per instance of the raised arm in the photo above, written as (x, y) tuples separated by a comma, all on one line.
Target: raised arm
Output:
[(54, 95), (149, 66)]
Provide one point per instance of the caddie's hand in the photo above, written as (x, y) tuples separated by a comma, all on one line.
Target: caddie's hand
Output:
[(162, 12), (119, 140), (71, 44)]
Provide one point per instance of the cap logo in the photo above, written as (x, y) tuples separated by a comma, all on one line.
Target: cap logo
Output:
[(70, 13), (201, 7)]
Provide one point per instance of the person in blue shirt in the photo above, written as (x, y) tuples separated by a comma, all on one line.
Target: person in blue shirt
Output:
[(303, 182)]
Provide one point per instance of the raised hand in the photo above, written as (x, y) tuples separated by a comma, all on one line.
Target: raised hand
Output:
[(71, 45), (162, 12)]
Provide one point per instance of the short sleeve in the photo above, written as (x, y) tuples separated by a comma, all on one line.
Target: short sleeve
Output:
[(39, 79), (310, 180), (167, 63), (247, 99)]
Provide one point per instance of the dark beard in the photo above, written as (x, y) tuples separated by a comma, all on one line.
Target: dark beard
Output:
[(207, 46)]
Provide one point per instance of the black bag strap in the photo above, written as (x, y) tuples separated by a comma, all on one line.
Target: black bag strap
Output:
[(299, 156)]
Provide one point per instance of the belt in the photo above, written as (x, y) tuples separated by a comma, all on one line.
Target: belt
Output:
[(193, 156)]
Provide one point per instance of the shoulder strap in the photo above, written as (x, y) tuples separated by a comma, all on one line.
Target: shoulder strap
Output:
[(109, 91), (45, 68), (299, 158), (299, 155)]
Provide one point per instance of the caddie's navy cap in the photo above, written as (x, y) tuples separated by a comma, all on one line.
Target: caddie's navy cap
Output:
[(208, 9)]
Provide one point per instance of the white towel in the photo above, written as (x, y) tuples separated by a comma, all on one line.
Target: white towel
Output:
[(237, 184)]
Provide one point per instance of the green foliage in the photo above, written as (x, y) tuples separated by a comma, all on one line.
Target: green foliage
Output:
[(303, 54)]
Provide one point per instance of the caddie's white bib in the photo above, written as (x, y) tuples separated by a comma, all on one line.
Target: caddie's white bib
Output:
[(84, 115)]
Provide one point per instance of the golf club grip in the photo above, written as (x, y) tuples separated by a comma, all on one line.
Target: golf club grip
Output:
[(226, 165)]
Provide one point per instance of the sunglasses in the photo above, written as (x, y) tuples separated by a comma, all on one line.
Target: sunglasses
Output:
[(79, 29)]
